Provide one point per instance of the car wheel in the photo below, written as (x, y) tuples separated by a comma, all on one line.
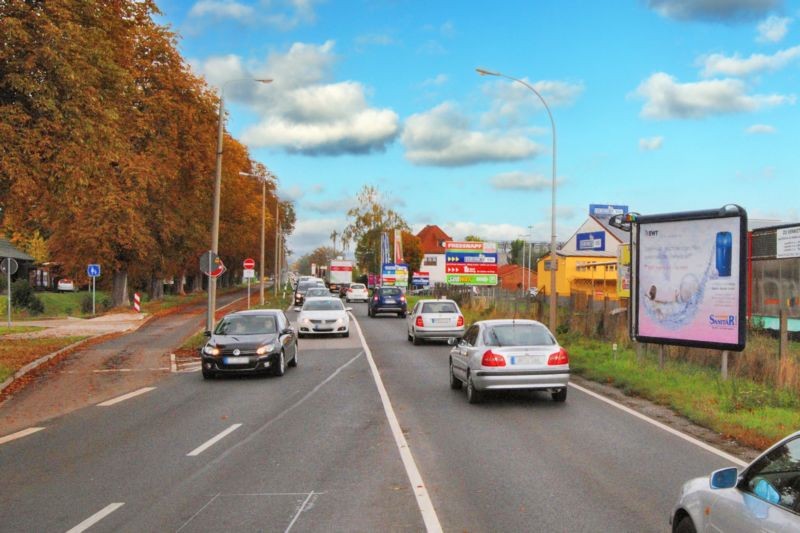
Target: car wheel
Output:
[(455, 383), (281, 368), (417, 341), (560, 395), (408, 334), (473, 395), (403, 314), (208, 374), (685, 526), (293, 362), (346, 333)]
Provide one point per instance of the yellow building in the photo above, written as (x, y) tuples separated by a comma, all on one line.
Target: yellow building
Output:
[(587, 262)]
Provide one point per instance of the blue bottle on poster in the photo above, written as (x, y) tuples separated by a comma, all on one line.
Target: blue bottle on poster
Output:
[(724, 248)]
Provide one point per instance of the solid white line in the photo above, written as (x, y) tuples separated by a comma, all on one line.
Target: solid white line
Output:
[(124, 397), (198, 512), (684, 436), (209, 443), (417, 485), (19, 435), (96, 517), (297, 515)]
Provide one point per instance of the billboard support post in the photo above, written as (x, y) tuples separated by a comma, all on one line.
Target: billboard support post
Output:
[(724, 365)]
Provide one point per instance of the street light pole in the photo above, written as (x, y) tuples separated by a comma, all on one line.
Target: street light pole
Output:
[(263, 180), (212, 282), (277, 271), (553, 244)]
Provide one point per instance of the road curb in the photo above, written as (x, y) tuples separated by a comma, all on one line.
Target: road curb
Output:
[(33, 365)]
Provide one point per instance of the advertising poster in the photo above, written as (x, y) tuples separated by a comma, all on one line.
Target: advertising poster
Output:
[(624, 271), (470, 263), (690, 282), (394, 275)]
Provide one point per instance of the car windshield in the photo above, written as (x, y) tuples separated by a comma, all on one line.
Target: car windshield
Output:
[(302, 288), (246, 325), (357, 286), (439, 307), (316, 291), (518, 335), (391, 292), (323, 305)]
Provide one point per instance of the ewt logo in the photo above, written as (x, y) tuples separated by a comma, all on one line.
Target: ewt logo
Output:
[(722, 321), (651, 232)]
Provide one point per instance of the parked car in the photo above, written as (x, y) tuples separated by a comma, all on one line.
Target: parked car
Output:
[(66, 285), (435, 320), (255, 341), (765, 496), (509, 354), (316, 292), (387, 300), (324, 316), (356, 292)]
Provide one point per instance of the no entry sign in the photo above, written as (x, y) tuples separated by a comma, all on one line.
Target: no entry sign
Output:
[(249, 263)]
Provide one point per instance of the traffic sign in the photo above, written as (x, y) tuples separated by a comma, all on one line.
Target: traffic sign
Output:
[(470, 263), (249, 263), (8, 265), (249, 273), (93, 270), (211, 265), (470, 268)]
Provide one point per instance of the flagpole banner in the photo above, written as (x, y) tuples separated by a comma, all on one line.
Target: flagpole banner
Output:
[(398, 246)]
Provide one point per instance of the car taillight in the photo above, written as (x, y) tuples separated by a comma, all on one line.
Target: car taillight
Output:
[(460, 321), (419, 323), (402, 298), (375, 299), (493, 359), (349, 290), (561, 357)]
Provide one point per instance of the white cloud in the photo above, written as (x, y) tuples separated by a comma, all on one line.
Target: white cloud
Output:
[(760, 129), (221, 9), (302, 110), (293, 193), (773, 29), (438, 80), (512, 102), (520, 181), (647, 144), (718, 64), (332, 205), (373, 39), (442, 137), (668, 99), (311, 233), (431, 48), (714, 10)]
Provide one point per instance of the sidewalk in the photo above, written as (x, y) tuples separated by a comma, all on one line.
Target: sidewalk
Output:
[(71, 326)]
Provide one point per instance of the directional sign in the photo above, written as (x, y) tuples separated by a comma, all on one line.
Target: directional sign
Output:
[(8, 265), (93, 270), (249, 263), (470, 268), (471, 279)]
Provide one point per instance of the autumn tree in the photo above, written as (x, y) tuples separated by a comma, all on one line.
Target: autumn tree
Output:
[(412, 251), (368, 220), (320, 256)]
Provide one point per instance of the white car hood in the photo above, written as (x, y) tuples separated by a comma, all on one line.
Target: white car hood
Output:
[(322, 315)]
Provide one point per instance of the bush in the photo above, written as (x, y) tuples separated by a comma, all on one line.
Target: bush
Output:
[(86, 304), (23, 297)]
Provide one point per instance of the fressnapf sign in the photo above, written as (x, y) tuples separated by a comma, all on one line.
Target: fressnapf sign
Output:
[(690, 278)]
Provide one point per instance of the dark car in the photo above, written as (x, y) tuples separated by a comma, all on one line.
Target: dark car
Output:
[(257, 341), (387, 300), (343, 289), (301, 290)]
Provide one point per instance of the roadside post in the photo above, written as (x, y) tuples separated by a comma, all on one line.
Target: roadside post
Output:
[(93, 271), (137, 302), (212, 266), (9, 266), (249, 265)]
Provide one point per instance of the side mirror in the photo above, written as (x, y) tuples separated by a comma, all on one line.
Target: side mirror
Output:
[(206, 333), (725, 478), (287, 331), (452, 341), (348, 308)]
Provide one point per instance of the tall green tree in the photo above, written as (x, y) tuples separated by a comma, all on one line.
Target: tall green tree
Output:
[(370, 218)]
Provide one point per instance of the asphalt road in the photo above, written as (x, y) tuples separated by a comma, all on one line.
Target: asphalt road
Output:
[(314, 451)]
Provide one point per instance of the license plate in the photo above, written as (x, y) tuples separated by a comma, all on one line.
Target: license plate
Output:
[(389, 301), (440, 320), (527, 360), (237, 360), (323, 329)]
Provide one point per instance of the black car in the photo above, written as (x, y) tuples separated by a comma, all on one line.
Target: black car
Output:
[(301, 290), (257, 341), (387, 300)]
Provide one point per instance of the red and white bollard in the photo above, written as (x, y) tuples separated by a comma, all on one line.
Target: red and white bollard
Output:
[(137, 302)]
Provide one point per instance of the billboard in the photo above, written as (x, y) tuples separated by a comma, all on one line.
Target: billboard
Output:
[(690, 279), (470, 263), (787, 242), (593, 241), (393, 275), (624, 271), (421, 279), (605, 210)]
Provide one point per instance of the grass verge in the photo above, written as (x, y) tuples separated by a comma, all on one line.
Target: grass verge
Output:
[(751, 413), (16, 353), (4, 330)]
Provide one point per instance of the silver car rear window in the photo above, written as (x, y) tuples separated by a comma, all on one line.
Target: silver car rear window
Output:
[(517, 335), (439, 307)]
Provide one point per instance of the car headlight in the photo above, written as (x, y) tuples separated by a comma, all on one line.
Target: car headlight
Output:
[(210, 350), (304, 320), (267, 348)]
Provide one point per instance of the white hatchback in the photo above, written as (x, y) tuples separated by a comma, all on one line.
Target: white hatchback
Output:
[(356, 292), (323, 316)]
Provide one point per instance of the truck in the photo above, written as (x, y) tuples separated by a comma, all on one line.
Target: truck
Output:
[(340, 271)]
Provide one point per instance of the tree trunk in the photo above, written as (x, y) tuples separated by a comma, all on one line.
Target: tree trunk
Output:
[(197, 283), (182, 284), (156, 288), (119, 291)]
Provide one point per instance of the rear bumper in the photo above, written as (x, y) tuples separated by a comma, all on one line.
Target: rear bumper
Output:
[(520, 379), (389, 309), (438, 333)]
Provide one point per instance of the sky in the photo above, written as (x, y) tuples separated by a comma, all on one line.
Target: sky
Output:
[(660, 105)]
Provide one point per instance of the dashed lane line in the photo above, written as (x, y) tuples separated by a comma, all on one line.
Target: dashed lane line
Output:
[(114, 401), (96, 517), (19, 434), (212, 441)]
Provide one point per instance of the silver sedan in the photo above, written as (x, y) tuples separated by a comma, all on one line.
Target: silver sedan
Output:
[(509, 354), (435, 320), (765, 496)]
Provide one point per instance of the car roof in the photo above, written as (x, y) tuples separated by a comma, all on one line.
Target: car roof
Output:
[(323, 298), (256, 312), (509, 322), (424, 300)]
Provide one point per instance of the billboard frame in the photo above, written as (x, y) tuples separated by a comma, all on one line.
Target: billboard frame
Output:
[(728, 211)]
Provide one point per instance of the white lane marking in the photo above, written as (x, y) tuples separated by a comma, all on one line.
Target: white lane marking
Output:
[(297, 514), (198, 512), (209, 443), (684, 436), (417, 485), (124, 397), (172, 366), (96, 517), (19, 434)]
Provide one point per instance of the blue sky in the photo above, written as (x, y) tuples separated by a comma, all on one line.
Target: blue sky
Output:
[(661, 105)]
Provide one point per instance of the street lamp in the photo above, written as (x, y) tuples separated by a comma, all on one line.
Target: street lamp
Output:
[(553, 260), (263, 180), (212, 282)]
